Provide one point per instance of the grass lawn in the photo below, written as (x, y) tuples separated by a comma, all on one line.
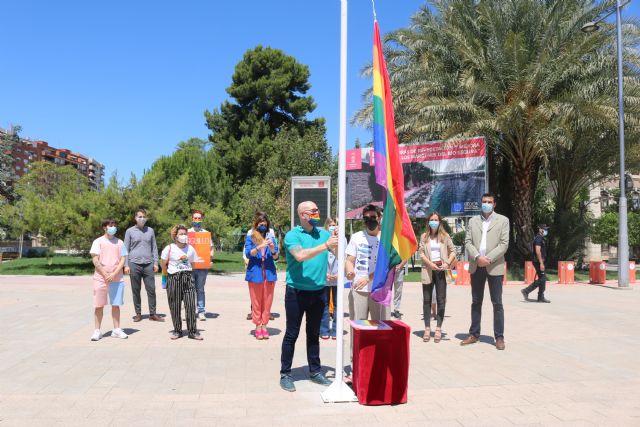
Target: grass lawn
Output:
[(223, 262)]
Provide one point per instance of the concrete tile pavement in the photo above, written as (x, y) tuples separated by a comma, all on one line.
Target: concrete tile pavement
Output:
[(571, 362)]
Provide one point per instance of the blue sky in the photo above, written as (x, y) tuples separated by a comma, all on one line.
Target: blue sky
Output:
[(126, 81)]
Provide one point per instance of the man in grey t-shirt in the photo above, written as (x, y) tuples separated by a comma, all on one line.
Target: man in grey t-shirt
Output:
[(142, 264)]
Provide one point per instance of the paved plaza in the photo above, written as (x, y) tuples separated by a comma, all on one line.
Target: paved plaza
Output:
[(572, 362)]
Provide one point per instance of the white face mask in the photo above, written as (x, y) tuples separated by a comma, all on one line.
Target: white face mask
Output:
[(141, 220), (183, 238)]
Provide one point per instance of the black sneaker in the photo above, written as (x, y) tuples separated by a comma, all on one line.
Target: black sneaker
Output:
[(286, 383), (543, 299), (525, 294), (319, 379)]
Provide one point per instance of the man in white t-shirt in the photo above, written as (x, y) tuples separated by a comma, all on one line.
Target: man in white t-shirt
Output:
[(362, 253)]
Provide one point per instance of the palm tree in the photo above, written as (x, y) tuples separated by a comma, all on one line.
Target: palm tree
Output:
[(520, 73)]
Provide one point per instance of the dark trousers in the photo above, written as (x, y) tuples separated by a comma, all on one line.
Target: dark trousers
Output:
[(438, 280), (478, 280), (540, 282), (138, 273), (180, 288), (296, 303)]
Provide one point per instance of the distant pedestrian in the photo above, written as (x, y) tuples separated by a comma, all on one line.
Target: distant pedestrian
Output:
[(261, 275), (438, 255), (176, 260), (486, 242), (539, 255), (108, 255), (142, 264), (200, 274), (307, 247)]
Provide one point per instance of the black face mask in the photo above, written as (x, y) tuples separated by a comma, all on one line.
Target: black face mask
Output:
[(371, 223)]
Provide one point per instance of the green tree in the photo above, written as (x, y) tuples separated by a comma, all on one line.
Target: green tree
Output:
[(520, 73), (8, 141), (268, 95)]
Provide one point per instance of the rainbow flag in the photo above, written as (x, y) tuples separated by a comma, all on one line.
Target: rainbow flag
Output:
[(397, 239)]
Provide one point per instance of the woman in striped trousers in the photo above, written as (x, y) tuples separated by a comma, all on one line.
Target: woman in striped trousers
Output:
[(176, 261)]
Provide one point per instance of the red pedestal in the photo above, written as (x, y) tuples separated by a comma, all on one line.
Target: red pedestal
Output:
[(632, 272), (381, 364)]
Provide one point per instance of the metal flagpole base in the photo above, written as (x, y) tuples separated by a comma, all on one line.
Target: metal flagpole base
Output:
[(337, 392)]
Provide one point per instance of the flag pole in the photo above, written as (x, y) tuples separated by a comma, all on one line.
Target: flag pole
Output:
[(339, 391)]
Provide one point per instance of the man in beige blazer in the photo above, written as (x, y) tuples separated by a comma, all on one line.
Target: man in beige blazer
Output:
[(486, 242)]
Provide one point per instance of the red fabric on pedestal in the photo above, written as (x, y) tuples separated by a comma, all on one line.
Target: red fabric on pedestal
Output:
[(381, 364)]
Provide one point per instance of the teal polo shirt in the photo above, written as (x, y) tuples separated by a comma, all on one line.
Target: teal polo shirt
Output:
[(309, 275)]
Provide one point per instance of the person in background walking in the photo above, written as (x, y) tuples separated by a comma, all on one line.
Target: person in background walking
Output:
[(200, 274), (486, 242), (108, 254), (176, 260), (437, 254), (142, 264), (261, 275), (307, 247), (539, 255)]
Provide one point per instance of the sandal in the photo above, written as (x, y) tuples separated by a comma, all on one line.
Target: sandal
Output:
[(427, 335), (437, 336)]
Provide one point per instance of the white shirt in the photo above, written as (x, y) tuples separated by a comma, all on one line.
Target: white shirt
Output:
[(179, 259), (434, 244), (486, 222), (364, 247)]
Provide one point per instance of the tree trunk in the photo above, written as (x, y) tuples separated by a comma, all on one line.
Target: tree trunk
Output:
[(523, 191)]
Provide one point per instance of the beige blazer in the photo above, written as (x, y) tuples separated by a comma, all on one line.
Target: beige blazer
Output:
[(446, 249), (497, 242)]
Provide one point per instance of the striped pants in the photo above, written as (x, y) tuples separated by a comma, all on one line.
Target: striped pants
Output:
[(180, 287)]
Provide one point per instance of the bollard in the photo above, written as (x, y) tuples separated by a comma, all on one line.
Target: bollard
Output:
[(598, 272), (566, 272), (463, 277), (529, 273), (632, 272)]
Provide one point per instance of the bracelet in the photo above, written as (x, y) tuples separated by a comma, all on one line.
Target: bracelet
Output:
[(326, 246)]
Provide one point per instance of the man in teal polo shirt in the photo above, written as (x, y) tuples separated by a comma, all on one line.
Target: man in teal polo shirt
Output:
[(306, 247)]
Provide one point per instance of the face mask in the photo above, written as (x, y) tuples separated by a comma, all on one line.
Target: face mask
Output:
[(314, 219), (111, 230), (371, 223), (183, 238), (434, 224), (141, 221), (262, 229), (487, 207), (332, 229), (545, 233), (196, 224)]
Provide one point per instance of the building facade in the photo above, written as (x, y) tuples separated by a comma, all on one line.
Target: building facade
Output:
[(28, 151)]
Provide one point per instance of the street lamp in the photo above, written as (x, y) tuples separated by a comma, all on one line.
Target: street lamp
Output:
[(623, 235)]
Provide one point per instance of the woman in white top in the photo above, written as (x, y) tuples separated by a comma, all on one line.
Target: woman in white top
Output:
[(438, 255), (176, 260)]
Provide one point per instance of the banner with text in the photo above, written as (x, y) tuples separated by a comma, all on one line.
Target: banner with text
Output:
[(444, 176)]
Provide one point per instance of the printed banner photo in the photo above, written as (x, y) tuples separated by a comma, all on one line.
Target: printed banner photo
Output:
[(444, 176)]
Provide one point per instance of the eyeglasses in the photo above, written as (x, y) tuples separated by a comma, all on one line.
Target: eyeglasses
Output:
[(316, 210)]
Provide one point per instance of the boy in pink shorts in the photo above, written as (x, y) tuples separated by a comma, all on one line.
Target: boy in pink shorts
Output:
[(108, 254)]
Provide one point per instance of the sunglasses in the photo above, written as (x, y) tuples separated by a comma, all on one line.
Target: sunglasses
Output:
[(316, 210)]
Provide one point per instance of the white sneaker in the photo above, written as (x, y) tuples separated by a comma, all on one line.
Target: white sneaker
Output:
[(201, 317), (119, 333), (96, 335)]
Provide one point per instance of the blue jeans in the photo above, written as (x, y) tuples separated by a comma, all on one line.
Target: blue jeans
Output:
[(200, 278), (297, 303), (327, 326)]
